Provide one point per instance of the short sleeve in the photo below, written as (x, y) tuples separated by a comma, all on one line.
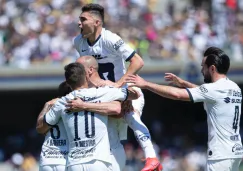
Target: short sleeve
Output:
[(117, 45), (203, 93), (53, 115), (76, 42)]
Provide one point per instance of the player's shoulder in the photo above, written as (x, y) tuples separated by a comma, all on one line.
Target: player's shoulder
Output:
[(109, 36), (78, 38)]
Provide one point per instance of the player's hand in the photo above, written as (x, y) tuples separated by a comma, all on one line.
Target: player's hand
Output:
[(135, 80), (51, 102), (75, 105), (119, 83), (173, 79)]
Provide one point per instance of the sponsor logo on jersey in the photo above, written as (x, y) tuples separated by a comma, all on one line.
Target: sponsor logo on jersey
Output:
[(118, 44), (80, 153), (203, 89), (227, 100), (234, 138), (237, 149), (83, 50), (52, 153)]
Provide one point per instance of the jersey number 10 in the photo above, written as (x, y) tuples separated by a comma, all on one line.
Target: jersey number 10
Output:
[(86, 123)]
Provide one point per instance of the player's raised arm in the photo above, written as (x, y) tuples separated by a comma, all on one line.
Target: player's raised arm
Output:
[(136, 63), (41, 126), (162, 90), (175, 80)]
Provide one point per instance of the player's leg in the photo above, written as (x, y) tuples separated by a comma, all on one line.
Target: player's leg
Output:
[(225, 165), (97, 165), (142, 134), (118, 156)]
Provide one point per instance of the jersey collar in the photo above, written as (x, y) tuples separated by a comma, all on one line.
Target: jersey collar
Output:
[(94, 42)]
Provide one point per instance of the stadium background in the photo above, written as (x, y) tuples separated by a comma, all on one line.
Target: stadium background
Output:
[(36, 42)]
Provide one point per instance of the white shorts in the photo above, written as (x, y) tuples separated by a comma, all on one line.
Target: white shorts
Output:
[(52, 168), (95, 165), (118, 156), (223, 165)]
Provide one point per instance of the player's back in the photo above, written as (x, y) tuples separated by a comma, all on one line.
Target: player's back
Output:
[(87, 131), (55, 146), (224, 112)]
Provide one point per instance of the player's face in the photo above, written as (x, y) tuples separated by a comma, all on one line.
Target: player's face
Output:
[(205, 72), (87, 24)]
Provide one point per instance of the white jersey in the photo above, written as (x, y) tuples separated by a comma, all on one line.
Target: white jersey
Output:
[(110, 51), (55, 147), (222, 102), (87, 131)]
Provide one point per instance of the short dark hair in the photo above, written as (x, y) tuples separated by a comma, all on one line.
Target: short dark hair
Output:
[(213, 50), (94, 9), (64, 89), (75, 74), (222, 62)]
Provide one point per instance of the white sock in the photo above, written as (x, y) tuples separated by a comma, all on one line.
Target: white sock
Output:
[(141, 133)]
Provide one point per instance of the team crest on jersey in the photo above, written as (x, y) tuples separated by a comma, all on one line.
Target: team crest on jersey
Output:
[(118, 44), (203, 89)]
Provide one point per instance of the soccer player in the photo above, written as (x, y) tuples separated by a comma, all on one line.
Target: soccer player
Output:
[(114, 131), (222, 101), (111, 53), (55, 146), (87, 133)]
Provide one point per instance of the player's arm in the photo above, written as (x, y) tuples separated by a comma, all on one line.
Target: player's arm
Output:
[(164, 91), (173, 79), (41, 126), (136, 63)]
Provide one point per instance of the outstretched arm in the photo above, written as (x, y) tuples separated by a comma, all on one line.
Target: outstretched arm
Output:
[(104, 108), (41, 126), (164, 91), (173, 79)]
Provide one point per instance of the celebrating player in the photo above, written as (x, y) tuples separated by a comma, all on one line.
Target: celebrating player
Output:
[(111, 53), (55, 146), (222, 101)]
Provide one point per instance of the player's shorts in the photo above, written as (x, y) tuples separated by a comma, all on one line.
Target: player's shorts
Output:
[(138, 104), (94, 165), (118, 156), (223, 165), (52, 168)]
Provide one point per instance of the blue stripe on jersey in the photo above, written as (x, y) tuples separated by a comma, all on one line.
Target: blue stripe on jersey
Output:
[(190, 95), (130, 57), (127, 94)]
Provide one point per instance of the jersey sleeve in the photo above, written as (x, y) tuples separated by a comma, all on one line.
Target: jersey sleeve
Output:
[(203, 93), (112, 94), (76, 42), (53, 115), (118, 46)]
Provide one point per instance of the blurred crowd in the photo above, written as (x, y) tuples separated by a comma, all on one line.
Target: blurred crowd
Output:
[(42, 31)]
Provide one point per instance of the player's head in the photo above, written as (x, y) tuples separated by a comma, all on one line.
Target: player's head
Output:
[(215, 61), (75, 75), (91, 17), (63, 89), (90, 64)]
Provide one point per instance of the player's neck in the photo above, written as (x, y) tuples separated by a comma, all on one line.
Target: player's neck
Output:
[(94, 37), (85, 85), (95, 80), (216, 77)]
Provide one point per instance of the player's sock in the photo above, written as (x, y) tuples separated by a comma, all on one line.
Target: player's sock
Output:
[(141, 133)]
